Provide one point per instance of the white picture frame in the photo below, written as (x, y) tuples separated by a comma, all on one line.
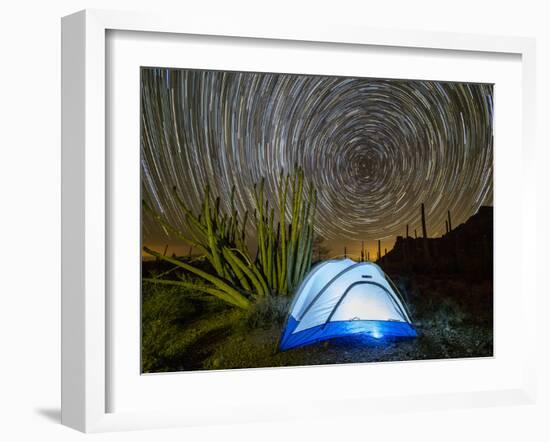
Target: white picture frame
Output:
[(85, 308)]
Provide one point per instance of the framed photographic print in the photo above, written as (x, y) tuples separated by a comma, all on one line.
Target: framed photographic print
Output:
[(250, 214)]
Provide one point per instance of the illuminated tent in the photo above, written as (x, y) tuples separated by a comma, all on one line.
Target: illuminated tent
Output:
[(342, 297)]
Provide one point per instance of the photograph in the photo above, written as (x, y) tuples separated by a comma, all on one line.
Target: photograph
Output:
[(305, 219), (268, 222)]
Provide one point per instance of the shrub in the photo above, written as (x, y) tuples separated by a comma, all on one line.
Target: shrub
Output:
[(268, 311), (161, 336)]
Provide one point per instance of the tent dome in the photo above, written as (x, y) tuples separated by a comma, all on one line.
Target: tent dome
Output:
[(341, 298)]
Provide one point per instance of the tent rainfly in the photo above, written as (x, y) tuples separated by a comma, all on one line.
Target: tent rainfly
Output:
[(342, 297)]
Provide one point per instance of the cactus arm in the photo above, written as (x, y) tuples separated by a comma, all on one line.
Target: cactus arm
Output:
[(216, 261), (236, 269), (218, 282), (283, 184), (209, 290), (259, 285), (269, 251), (253, 268), (164, 223)]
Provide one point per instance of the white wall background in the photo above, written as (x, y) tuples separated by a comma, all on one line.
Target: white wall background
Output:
[(30, 215)]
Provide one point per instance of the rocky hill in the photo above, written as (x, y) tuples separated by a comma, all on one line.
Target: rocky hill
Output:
[(466, 250)]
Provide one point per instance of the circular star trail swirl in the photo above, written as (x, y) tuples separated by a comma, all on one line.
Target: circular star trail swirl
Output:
[(375, 149)]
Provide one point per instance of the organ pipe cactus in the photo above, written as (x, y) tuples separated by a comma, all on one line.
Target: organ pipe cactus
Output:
[(238, 277)]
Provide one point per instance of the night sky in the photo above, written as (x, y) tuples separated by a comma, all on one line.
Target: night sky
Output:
[(375, 149)]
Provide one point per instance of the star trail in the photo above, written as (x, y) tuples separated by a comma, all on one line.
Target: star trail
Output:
[(375, 149)]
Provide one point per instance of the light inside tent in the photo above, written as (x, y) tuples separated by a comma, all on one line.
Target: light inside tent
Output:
[(376, 334), (366, 302)]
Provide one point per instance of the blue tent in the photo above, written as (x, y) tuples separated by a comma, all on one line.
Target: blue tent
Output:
[(341, 298)]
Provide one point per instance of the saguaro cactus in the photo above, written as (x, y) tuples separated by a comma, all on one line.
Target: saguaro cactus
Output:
[(425, 234), (379, 250), (424, 231), (449, 220)]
